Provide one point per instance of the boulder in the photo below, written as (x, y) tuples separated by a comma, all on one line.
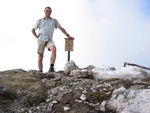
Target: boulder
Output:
[(70, 66)]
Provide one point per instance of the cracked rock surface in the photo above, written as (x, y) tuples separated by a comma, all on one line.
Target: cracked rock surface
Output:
[(75, 92)]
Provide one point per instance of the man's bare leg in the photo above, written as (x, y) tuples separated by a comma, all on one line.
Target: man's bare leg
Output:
[(53, 54), (40, 62), (52, 58)]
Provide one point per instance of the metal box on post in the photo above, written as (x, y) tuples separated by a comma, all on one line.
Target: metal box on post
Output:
[(69, 46)]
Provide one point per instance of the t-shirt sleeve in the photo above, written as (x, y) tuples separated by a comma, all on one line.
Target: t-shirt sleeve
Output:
[(57, 24), (37, 24)]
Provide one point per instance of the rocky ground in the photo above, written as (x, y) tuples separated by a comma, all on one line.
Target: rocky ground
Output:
[(69, 92)]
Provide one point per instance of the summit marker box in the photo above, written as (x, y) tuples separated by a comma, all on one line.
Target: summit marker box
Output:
[(69, 44)]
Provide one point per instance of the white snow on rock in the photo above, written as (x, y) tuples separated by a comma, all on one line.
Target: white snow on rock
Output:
[(130, 101), (106, 72), (133, 100), (120, 72)]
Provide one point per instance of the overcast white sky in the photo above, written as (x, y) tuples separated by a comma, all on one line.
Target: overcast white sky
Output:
[(106, 32)]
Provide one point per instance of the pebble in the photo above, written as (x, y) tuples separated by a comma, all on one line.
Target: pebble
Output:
[(83, 97), (54, 102), (54, 91), (66, 108), (102, 106), (48, 100)]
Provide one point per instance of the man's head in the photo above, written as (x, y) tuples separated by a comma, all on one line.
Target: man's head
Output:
[(47, 11)]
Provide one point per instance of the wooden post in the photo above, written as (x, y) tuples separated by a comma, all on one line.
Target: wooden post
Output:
[(69, 46)]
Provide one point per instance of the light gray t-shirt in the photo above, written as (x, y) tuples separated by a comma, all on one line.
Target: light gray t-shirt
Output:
[(46, 28)]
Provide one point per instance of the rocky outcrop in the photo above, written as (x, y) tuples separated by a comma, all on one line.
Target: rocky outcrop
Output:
[(73, 91), (131, 100), (18, 89)]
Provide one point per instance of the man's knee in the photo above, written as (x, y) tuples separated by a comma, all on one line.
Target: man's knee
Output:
[(40, 57), (53, 49)]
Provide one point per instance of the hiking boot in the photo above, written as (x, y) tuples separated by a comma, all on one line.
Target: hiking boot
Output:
[(51, 69)]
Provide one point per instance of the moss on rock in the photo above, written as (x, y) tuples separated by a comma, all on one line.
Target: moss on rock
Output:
[(20, 86), (97, 97)]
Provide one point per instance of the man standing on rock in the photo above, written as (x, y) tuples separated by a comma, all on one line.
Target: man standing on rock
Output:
[(46, 27)]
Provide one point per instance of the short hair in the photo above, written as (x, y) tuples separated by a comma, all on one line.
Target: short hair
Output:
[(48, 7)]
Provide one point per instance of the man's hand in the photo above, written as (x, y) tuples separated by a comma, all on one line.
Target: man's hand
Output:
[(34, 33), (64, 31), (38, 35), (70, 37)]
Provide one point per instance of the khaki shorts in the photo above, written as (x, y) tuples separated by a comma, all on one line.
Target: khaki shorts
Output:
[(43, 44)]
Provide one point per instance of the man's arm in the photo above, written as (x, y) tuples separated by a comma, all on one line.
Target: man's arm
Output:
[(65, 32), (34, 33)]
